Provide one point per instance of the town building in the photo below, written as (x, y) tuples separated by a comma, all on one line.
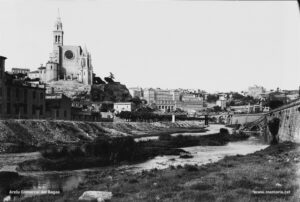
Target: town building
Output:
[(2, 86), (19, 99), (170, 100), (164, 99), (123, 106), (221, 102), (149, 95), (136, 92), (33, 74), (190, 103), (58, 107), (20, 70)]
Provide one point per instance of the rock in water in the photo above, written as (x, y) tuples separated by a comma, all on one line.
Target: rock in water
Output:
[(99, 196), (185, 155)]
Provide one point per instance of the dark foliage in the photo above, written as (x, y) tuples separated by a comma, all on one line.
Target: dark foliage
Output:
[(114, 92), (211, 98), (109, 80), (274, 128), (224, 131), (98, 80), (275, 104)]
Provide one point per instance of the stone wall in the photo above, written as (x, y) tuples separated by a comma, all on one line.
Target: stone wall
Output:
[(289, 127)]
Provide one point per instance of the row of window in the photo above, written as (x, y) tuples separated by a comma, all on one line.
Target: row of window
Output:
[(22, 109), (166, 107), (18, 93), (57, 39)]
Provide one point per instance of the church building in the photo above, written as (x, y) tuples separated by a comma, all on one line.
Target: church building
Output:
[(67, 62)]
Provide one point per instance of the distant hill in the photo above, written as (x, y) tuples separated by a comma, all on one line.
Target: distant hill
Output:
[(115, 92)]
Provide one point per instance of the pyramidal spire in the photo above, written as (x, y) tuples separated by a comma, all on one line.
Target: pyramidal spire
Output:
[(58, 14)]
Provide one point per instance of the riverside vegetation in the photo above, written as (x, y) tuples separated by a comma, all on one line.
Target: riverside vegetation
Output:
[(104, 151)]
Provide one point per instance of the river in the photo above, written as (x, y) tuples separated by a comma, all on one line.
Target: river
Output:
[(61, 181), (211, 129)]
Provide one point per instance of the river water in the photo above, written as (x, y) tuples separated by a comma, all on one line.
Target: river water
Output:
[(211, 129), (201, 155), (62, 181)]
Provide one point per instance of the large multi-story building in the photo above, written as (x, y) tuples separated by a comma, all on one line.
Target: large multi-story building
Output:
[(170, 100), (19, 99), (149, 95)]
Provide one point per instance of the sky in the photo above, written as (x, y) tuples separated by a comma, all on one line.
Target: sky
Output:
[(208, 45)]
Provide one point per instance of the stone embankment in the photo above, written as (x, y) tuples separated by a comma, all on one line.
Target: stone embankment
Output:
[(28, 135)]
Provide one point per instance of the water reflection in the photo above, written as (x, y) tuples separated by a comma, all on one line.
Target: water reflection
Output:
[(211, 129)]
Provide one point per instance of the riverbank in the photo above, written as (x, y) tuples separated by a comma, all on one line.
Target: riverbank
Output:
[(235, 178), (120, 150), (32, 135)]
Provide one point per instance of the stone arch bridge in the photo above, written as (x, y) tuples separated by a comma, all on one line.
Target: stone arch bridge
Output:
[(289, 125)]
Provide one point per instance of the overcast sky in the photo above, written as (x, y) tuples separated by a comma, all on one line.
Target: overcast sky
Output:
[(209, 45)]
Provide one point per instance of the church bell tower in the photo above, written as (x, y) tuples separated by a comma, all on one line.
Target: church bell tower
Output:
[(58, 33)]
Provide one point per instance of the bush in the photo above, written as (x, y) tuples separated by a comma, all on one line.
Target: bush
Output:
[(274, 128), (191, 168), (165, 137), (224, 131)]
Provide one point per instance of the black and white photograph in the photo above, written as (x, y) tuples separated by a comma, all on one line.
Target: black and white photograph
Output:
[(149, 100)]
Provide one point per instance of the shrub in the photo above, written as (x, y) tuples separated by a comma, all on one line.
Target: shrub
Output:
[(165, 137), (191, 168), (274, 128), (224, 131)]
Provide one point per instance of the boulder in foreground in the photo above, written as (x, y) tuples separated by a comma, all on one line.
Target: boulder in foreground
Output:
[(99, 196)]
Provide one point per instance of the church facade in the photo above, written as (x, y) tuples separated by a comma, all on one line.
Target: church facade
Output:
[(67, 62)]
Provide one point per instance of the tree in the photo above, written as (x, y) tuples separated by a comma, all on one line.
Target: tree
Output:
[(137, 101), (98, 80), (237, 96), (275, 104), (111, 75), (105, 107), (217, 108), (108, 80), (211, 98)]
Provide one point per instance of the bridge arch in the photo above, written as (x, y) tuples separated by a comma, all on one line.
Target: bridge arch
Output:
[(256, 128)]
